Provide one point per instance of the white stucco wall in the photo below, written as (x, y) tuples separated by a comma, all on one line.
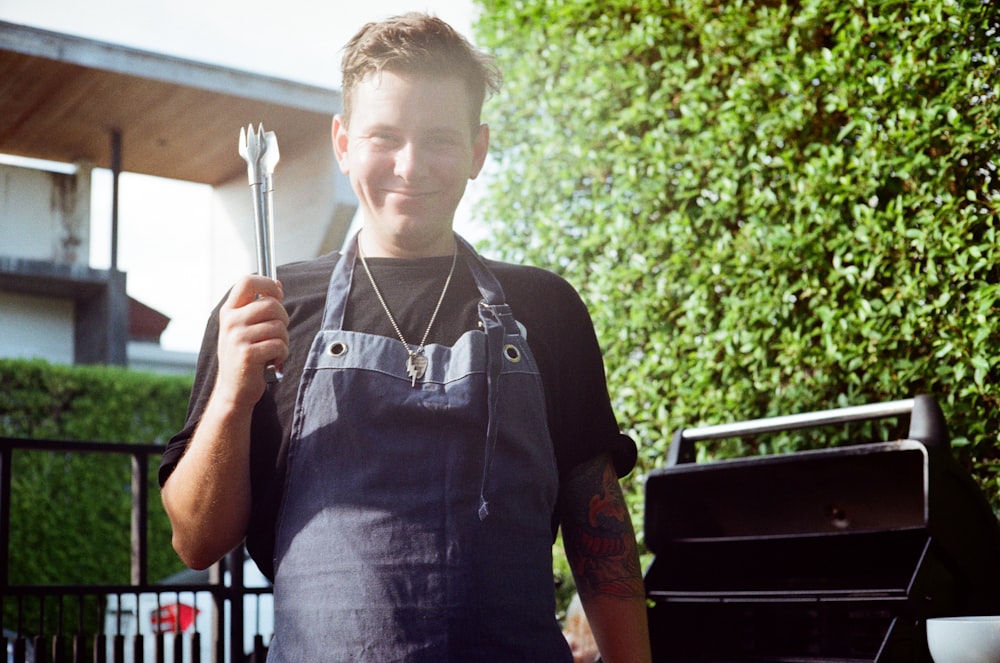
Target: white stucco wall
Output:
[(45, 215), (179, 269), (33, 327)]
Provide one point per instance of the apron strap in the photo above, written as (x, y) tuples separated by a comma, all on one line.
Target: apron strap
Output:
[(343, 274), (498, 322), (495, 319), (340, 282)]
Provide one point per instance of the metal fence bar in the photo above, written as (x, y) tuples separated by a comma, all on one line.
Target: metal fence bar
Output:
[(140, 518), (71, 446), (235, 560), (6, 456), (60, 645)]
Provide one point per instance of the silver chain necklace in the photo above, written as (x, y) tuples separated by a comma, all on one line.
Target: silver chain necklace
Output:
[(416, 362)]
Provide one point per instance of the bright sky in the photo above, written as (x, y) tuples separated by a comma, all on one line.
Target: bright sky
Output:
[(293, 39)]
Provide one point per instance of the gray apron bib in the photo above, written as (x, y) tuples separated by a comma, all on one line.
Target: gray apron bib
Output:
[(415, 524)]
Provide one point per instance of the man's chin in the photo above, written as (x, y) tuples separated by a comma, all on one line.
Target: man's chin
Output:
[(418, 236)]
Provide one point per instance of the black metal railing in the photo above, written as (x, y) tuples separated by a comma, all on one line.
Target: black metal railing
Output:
[(213, 617)]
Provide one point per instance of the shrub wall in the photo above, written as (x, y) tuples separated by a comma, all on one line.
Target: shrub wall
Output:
[(70, 512), (770, 206)]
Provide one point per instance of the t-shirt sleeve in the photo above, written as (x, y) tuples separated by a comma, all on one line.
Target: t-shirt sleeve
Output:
[(204, 379), (562, 337), (586, 426)]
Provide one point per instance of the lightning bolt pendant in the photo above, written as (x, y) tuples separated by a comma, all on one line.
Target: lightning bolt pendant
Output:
[(416, 366)]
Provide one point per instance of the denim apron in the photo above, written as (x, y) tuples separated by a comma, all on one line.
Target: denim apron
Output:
[(416, 520)]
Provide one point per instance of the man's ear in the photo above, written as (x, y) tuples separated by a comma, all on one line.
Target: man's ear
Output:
[(338, 132), (480, 148)]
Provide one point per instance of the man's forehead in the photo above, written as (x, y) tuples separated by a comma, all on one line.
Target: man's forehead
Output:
[(391, 97), (377, 79)]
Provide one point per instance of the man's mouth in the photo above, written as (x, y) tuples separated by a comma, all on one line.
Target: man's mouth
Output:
[(406, 193)]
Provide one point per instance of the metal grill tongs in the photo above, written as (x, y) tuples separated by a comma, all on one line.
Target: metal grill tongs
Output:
[(260, 151)]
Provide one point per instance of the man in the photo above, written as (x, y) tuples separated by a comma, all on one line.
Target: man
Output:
[(439, 413)]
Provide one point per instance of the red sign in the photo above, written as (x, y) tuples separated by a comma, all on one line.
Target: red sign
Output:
[(173, 618)]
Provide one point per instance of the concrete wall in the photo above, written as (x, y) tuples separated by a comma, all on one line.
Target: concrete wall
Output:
[(43, 216), (35, 327)]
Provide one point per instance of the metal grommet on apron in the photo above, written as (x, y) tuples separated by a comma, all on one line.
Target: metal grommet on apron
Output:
[(416, 522)]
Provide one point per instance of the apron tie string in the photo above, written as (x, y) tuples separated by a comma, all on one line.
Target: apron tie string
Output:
[(499, 322)]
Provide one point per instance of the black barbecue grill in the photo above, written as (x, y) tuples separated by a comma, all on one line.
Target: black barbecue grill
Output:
[(836, 554)]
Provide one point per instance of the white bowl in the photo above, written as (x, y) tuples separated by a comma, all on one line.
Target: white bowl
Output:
[(964, 639)]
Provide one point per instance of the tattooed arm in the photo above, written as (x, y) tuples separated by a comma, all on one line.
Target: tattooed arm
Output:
[(601, 549)]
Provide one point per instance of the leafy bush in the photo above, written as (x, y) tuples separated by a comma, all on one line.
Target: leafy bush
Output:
[(70, 512), (770, 206)]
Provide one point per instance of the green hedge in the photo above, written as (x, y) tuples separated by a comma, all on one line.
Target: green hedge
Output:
[(70, 512), (769, 206)]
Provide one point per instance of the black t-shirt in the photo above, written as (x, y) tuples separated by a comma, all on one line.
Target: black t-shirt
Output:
[(559, 333)]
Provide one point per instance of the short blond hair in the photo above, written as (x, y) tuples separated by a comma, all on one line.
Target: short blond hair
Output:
[(419, 45)]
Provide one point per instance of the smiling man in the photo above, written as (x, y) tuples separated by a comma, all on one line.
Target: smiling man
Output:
[(409, 153), (440, 413)]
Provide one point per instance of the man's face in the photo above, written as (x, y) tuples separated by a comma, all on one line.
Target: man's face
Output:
[(409, 153)]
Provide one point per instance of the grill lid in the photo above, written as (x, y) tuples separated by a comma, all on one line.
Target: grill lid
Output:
[(868, 539)]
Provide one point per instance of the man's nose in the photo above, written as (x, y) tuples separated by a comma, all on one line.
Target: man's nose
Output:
[(409, 161)]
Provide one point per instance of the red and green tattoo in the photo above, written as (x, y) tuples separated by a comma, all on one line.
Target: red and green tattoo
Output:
[(598, 534)]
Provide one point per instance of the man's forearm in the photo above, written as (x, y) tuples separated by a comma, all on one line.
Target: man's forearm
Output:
[(603, 555), (207, 497)]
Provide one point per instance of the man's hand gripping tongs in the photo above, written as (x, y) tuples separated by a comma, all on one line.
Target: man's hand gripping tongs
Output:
[(260, 151)]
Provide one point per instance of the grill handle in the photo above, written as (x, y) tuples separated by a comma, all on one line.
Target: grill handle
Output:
[(927, 425)]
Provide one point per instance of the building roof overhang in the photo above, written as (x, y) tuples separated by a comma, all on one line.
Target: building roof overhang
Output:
[(62, 98)]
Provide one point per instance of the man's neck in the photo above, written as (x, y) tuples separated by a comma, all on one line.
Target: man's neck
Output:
[(371, 247)]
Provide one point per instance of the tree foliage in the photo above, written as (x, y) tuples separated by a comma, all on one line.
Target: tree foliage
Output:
[(770, 206)]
